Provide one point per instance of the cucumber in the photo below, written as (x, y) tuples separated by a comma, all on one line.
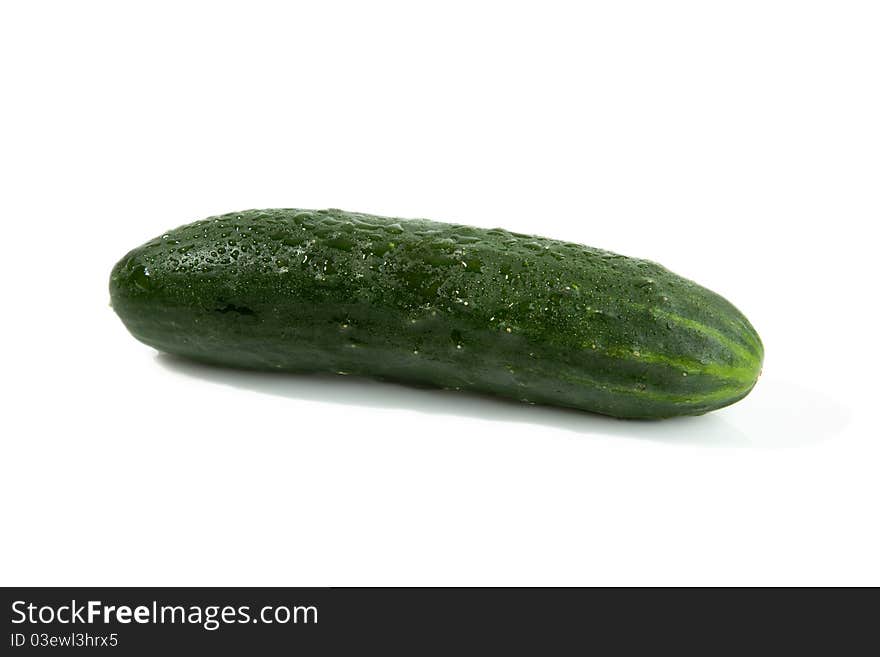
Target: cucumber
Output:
[(437, 304)]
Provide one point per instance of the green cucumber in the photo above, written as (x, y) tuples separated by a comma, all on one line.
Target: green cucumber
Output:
[(437, 304)]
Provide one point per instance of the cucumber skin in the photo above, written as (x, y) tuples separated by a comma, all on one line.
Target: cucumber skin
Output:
[(437, 304)]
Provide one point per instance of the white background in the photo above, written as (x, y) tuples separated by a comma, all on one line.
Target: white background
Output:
[(738, 143)]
